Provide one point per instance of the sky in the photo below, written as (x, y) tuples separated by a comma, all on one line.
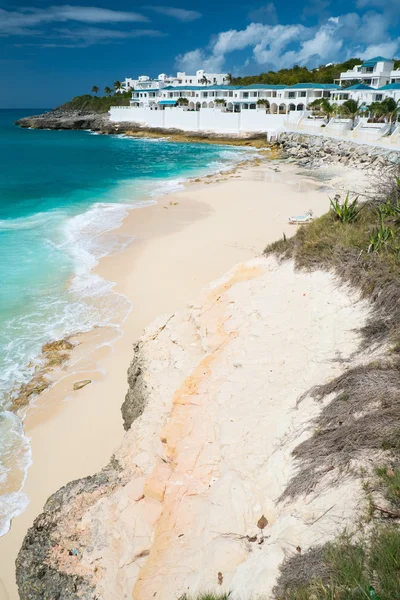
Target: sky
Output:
[(50, 52)]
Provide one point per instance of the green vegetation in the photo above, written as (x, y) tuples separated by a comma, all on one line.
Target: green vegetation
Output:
[(346, 211), (182, 102), (298, 74), (98, 104), (348, 569), (360, 415), (390, 485)]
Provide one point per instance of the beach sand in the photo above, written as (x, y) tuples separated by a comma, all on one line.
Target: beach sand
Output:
[(183, 242)]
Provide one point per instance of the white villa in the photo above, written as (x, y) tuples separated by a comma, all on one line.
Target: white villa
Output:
[(205, 102), (375, 72), (201, 78)]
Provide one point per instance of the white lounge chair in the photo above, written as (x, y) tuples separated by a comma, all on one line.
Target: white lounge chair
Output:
[(302, 219)]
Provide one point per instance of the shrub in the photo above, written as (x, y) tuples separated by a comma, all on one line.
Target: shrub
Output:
[(346, 212)]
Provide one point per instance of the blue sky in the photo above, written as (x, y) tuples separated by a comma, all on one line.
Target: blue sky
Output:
[(50, 52)]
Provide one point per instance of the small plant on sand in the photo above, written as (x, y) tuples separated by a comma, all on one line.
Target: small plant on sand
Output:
[(346, 212), (390, 482), (380, 238)]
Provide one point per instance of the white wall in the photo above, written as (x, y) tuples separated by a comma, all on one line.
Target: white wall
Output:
[(207, 119)]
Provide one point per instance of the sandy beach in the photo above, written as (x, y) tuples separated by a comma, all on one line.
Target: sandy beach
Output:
[(182, 243)]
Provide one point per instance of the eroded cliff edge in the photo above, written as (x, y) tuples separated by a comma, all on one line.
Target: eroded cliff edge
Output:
[(213, 415)]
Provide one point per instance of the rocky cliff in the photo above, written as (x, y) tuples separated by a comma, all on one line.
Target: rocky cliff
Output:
[(196, 497), (72, 119)]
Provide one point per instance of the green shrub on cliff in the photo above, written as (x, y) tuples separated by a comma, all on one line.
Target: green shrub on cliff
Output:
[(100, 104)]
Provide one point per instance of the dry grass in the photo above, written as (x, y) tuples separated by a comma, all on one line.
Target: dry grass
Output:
[(364, 414), (363, 417)]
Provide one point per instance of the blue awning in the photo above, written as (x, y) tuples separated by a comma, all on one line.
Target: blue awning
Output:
[(168, 102)]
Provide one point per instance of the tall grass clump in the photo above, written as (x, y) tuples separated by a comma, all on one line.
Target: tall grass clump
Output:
[(346, 569), (346, 211)]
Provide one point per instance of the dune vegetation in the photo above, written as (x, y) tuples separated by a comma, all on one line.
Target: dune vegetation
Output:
[(359, 423)]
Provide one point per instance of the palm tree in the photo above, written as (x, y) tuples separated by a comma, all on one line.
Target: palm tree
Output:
[(95, 89), (107, 91), (324, 106), (390, 109), (182, 102), (376, 110), (204, 80), (352, 109), (117, 86), (327, 108)]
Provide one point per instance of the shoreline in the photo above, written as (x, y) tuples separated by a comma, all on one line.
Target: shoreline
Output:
[(62, 420), (99, 123)]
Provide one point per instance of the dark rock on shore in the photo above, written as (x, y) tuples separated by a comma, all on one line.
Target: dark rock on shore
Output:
[(136, 397), (42, 562), (51, 549), (99, 122)]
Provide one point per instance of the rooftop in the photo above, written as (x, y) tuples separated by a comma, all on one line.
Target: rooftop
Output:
[(371, 62), (358, 86), (391, 86), (319, 86)]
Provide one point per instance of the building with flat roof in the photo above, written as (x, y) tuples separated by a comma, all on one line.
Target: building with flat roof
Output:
[(201, 77), (375, 72)]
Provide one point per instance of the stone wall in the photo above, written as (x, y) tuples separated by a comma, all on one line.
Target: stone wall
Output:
[(313, 151)]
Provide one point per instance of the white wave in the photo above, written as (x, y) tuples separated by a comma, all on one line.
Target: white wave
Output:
[(90, 300), (31, 221), (16, 458)]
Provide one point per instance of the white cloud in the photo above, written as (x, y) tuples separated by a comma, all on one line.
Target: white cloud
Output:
[(25, 20), (88, 36), (176, 13), (387, 49), (282, 46)]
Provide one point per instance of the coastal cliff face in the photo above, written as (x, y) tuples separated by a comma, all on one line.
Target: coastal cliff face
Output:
[(219, 398), (99, 122)]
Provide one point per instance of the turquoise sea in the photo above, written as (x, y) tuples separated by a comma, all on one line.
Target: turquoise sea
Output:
[(62, 193)]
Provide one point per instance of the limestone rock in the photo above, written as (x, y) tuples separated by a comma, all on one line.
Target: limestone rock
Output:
[(81, 384)]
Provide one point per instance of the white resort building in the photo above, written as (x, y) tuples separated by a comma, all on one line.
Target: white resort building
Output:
[(375, 72), (205, 102), (201, 78)]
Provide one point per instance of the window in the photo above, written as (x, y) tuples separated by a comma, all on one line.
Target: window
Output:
[(255, 94), (245, 94), (205, 94), (369, 70), (230, 94), (378, 97), (292, 95), (274, 94), (303, 94)]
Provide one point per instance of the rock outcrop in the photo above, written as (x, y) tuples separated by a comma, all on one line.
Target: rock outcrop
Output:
[(212, 417), (100, 123), (312, 151)]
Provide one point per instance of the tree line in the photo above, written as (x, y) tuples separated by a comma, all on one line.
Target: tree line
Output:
[(297, 74)]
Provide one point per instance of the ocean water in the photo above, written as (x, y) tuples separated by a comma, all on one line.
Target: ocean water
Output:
[(62, 195)]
